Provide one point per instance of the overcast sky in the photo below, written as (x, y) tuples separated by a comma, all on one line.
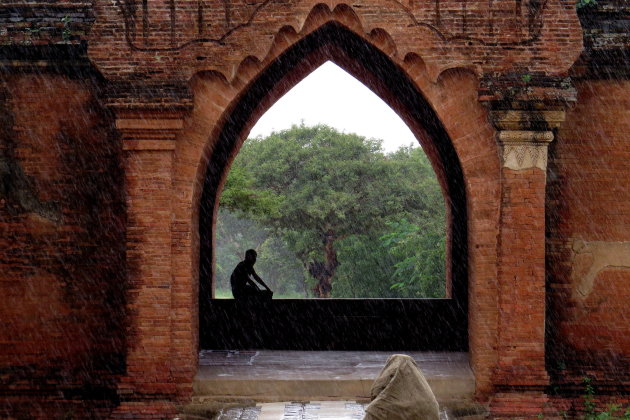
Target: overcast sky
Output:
[(331, 96)]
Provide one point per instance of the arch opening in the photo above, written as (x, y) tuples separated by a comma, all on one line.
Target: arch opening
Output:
[(332, 141), (378, 72)]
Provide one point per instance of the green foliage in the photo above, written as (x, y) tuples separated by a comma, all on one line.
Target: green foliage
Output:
[(66, 33), (240, 195), (589, 398), (420, 254), (365, 269), (382, 215), (33, 31), (585, 3), (319, 178), (592, 412)]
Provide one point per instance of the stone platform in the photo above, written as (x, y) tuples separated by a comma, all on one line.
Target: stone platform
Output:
[(268, 376)]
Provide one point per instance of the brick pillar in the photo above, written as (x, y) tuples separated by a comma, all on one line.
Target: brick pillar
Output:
[(148, 134), (520, 376)]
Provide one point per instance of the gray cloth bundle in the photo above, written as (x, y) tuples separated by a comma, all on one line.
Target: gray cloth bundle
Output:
[(401, 392)]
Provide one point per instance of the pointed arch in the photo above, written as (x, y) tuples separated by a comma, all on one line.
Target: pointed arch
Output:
[(373, 67)]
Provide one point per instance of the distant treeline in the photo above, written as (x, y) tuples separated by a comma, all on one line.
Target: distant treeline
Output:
[(332, 215)]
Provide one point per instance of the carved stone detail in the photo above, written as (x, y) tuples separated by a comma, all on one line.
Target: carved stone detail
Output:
[(524, 149), (524, 134), (525, 156)]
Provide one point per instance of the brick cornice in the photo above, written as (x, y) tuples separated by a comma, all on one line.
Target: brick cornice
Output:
[(128, 98), (527, 91), (148, 116), (526, 121)]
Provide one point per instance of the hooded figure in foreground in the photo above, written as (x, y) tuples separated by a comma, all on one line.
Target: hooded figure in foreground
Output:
[(400, 392)]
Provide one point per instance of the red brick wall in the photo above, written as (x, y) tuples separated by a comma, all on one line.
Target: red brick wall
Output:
[(62, 274), (506, 36), (62, 213), (588, 237)]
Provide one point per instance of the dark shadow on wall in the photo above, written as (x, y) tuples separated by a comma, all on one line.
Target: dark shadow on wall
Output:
[(63, 253)]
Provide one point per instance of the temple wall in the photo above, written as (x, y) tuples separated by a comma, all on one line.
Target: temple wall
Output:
[(588, 236), (62, 271)]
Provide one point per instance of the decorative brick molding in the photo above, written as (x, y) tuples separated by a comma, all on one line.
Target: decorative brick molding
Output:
[(174, 40), (163, 97)]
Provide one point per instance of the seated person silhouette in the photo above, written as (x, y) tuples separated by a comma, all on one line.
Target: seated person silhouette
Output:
[(243, 288)]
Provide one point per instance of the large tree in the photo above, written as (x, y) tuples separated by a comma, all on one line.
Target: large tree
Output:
[(318, 188)]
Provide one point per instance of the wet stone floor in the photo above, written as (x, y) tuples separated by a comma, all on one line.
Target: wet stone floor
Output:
[(321, 410), (330, 385)]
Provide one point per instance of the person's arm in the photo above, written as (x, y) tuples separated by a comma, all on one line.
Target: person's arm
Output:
[(259, 280)]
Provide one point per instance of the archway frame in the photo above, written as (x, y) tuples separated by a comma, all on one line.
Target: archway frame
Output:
[(453, 98), (334, 42)]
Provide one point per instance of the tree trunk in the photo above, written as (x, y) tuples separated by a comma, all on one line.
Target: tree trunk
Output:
[(323, 272)]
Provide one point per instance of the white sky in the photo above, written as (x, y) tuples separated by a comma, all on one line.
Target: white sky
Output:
[(333, 97)]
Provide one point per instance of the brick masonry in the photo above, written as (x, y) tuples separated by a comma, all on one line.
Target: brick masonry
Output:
[(587, 223), (62, 224), (102, 165)]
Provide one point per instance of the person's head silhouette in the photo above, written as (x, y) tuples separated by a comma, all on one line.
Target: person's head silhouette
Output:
[(250, 256)]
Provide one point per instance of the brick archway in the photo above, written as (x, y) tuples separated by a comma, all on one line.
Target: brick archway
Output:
[(445, 323), (497, 195), (455, 113)]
